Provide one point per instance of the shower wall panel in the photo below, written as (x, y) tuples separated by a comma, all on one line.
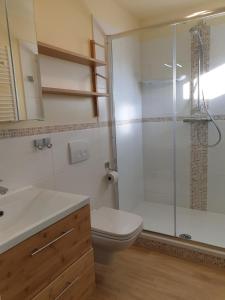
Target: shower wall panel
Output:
[(128, 114)]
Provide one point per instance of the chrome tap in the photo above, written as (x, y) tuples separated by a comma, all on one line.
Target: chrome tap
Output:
[(3, 190)]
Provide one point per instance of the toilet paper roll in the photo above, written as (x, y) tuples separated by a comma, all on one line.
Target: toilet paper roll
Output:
[(112, 177)]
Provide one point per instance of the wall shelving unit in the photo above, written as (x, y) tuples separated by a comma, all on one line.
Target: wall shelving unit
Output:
[(92, 62)]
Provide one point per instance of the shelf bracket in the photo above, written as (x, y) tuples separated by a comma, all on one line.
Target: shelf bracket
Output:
[(94, 79)]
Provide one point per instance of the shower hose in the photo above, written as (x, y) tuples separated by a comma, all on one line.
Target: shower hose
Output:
[(211, 118)]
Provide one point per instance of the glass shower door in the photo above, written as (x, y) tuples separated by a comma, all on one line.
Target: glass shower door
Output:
[(143, 105), (200, 130)]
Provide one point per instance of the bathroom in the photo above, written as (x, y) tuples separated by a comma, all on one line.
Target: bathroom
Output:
[(112, 129)]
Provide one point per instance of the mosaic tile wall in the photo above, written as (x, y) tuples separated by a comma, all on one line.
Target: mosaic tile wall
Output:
[(19, 132), (199, 130), (196, 48), (199, 165), (190, 254), (29, 131)]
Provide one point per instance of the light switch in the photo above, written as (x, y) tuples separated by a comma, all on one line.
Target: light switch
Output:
[(78, 151)]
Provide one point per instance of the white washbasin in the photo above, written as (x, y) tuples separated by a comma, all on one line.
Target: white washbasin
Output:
[(29, 210)]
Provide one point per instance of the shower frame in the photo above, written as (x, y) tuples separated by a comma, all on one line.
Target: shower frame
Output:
[(109, 39)]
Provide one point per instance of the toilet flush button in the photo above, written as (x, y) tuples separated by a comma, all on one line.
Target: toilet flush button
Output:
[(78, 151)]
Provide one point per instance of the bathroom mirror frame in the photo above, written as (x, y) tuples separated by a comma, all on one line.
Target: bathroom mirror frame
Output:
[(20, 95)]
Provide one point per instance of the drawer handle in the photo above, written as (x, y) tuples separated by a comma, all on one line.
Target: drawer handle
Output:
[(70, 284), (35, 252)]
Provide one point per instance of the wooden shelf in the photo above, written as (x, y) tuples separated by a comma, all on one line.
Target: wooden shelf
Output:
[(91, 62), (68, 92), (56, 52)]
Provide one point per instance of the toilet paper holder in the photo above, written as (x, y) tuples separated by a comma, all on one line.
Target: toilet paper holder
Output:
[(111, 174), (108, 168)]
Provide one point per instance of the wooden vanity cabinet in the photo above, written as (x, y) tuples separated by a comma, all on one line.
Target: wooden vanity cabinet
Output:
[(56, 263)]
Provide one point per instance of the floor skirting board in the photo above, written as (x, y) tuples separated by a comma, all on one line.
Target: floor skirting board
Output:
[(195, 252)]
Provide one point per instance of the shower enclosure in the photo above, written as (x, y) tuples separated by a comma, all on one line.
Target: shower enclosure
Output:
[(169, 124)]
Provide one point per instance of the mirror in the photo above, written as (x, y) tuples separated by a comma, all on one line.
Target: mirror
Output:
[(20, 89)]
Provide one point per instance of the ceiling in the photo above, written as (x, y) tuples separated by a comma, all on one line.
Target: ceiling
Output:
[(167, 9)]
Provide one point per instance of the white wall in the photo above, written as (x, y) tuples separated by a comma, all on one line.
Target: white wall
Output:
[(22, 165), (158, 163), (157, 50), (66, 24), (216, 156), (216, 171)]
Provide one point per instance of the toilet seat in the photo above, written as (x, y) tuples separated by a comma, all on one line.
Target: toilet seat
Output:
[(116, 238), (114, 224)]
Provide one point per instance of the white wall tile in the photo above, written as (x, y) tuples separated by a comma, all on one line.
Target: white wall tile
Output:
[(87, 177), (158, 162), (22, 165), (130, 165), (157, 100), (216, 171), (126, 78)]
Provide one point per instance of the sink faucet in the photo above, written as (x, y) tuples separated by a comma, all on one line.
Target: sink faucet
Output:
[(3, 190)]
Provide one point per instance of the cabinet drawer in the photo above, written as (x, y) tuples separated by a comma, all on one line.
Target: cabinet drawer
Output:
[(76, 283), (30, 266)]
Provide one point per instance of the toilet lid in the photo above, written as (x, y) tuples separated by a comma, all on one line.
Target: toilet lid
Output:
[(115, 223)]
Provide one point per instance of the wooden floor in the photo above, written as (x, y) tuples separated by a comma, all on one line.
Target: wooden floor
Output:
[(137, 274)]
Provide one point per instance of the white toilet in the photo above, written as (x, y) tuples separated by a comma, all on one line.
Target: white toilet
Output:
[(113, 230)]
